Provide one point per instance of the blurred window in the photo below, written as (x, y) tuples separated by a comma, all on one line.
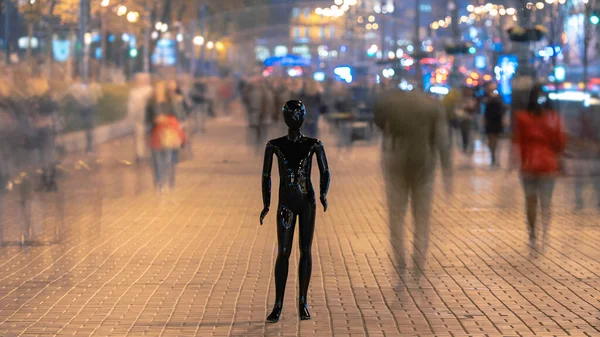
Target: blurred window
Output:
[(425, 8), (331, 32), (262, 53), (306, 12), (306, 32), (296, 32), (295, 12), (280, 51), (322, 33)]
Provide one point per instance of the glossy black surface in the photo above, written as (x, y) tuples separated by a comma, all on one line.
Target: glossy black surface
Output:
[(294, 154)]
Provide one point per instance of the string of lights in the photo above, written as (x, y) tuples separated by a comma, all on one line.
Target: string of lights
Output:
[(338, 9), (476, 13)]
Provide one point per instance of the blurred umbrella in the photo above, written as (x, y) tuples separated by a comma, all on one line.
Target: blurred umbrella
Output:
[(531, 34)]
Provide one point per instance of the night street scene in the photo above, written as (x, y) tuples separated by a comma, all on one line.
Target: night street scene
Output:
[(299, 168)]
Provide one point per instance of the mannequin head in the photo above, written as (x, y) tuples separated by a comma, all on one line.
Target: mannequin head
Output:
[(294, 114)]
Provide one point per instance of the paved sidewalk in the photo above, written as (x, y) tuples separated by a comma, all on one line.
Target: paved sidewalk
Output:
[(197, 262)]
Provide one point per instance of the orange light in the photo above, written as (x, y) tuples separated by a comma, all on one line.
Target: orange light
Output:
[(469, 81), (462, 69), (487, 77), (475, 82), (429, 49), (475, 76), (567, 85), (581, 86)]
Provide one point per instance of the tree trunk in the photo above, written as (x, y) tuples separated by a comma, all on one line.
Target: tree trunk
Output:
[(416, 46), (72, 40), (29, 38), (50, 56), (587, 33), (103, 47)]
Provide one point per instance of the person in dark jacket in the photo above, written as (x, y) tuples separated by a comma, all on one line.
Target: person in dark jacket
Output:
[(494, 114)]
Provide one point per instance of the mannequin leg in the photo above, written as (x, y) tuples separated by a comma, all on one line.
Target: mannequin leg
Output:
[(286, 222), (307, 229)]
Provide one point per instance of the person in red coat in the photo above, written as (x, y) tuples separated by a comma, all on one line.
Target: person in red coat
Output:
[(167, 137), (540, 139)]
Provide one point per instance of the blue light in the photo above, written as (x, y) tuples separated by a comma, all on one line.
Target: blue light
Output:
[(344, 73), (560, 73), (472, 50), (61, 50), (480, 62), (343, 49), (557, 50), (319, 76), (111, 38)]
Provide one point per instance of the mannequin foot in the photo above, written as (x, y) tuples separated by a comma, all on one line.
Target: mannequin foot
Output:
[(274, 316), (303, 311)]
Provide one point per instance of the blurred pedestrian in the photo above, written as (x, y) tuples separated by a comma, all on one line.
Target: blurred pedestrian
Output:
[(466, 114), (139, 98), (177, 101), (45, 121), (494, 115), (587, 167), (540, 139), (255, 93), (282, 95), (312, 96), (200, 105), (451, 103), (416, 129), (85, 99), (167, 137)]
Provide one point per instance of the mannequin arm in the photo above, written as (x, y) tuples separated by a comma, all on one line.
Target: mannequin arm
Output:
[(266, 176), (324, 170)]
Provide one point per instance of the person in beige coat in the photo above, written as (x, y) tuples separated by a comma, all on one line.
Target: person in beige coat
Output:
[(415, 135), (139, 98)]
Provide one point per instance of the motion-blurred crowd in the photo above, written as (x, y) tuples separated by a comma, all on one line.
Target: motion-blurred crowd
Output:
[(30, 123)]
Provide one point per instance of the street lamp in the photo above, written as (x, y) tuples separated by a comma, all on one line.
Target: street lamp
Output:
[(210, 45), (132, 17), (105, 3), (158, 25), (198, 40), (164, 28), (121, 10), (219, 45)]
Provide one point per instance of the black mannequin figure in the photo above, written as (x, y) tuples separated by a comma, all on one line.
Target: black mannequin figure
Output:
[(296, 200)]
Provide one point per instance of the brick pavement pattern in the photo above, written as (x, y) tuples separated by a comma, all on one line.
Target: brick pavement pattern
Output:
[(197, 262)]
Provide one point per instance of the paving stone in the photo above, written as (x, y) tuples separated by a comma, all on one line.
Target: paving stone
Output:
[(196, 262)]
